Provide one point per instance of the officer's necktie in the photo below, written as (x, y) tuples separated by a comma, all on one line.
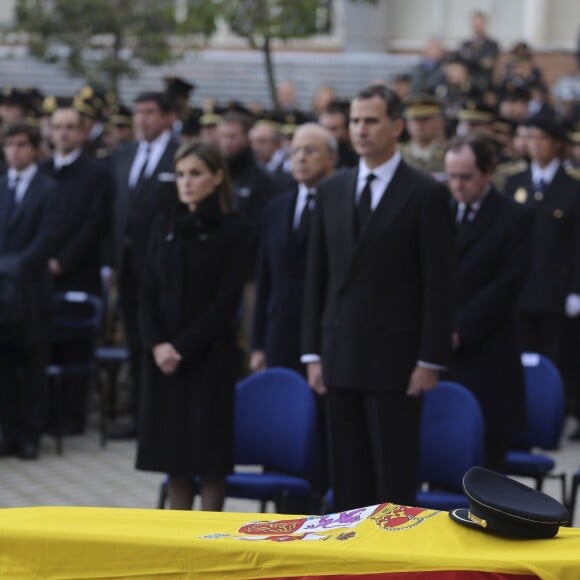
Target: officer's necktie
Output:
[(540, 185), (364, 205)]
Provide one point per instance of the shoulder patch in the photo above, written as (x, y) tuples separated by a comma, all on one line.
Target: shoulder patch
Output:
[(573, 172), (512, 167)]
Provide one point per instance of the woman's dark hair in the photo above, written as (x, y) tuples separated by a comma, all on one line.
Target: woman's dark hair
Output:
[(210, 154)]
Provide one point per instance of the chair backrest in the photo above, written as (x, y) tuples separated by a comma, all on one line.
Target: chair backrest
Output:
[(275, 420), (544, 403), (451, 435), (76, 315)]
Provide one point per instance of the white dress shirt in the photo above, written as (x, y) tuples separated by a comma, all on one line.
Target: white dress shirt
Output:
[(546, 173), (383, 176), (24, 178), (303, 192), (156, 150)]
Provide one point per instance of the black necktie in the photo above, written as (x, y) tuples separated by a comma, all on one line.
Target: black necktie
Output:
[(143, 169), (466, 219), (540, 185), (304, 223), (12, 192), (364, 205)]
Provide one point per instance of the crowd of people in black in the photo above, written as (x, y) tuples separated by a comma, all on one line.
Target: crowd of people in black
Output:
[(426, 228)]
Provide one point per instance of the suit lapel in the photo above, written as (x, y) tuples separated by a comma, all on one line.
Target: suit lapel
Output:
[(165, 162), (27, 200), (480, 224), (4, 210), (394, 199)]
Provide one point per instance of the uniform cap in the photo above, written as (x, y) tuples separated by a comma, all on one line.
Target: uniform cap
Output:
[(502, 506)]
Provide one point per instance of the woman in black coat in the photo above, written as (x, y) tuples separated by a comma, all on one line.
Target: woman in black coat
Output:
[(193, 281)]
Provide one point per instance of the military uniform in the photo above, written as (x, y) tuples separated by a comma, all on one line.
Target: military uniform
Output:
[(429, 158)]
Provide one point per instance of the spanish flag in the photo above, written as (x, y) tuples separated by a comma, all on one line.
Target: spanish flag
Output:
[(385, 541)]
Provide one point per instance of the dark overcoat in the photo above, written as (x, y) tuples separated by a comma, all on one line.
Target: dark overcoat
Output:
[(193, 281)]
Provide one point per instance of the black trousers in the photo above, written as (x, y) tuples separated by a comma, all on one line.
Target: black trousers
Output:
[(23, 391), (373, 447)]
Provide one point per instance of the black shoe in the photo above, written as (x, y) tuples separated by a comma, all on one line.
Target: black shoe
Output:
[(8, 448), (126, 432), (28, 451), (575, 435)]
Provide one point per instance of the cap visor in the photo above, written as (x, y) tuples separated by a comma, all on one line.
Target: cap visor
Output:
[(461, 516)]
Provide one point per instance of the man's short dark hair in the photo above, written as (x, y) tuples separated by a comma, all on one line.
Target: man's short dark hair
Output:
[(162, 100), (394, 105), (337, 108), (31, 131), (237, 118), (482, 147)]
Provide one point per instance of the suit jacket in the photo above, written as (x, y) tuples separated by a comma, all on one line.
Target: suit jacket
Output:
[(134, 211), (377, 305), (280, 285), (494, 254), (555, 269), (29, 235), (87, 190)]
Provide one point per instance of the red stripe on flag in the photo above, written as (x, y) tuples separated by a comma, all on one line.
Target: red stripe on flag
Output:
[(427, 575)]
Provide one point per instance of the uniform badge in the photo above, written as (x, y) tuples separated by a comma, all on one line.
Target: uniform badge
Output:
[(558, 214), (521, 195), (538, 196)]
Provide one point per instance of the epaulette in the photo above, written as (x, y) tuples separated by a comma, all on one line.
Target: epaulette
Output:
[(512, 167), (572, 171)]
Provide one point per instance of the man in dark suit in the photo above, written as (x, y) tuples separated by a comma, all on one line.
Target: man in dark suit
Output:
[(29, 234), (144, 187), (282, 255), (551, 297), (378, 311), (282, 267), (87, 189), (494, 245), (253, 188)]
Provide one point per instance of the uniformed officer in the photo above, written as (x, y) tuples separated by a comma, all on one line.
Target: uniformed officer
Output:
[(552, 291), (424, 117)]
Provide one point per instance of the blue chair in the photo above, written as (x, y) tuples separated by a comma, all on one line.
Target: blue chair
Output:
[(76, 316), (275, 428), (546, 414), (451, 442)]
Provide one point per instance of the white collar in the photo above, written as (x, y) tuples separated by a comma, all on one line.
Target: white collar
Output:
[(546, 173), (64, 160), (383, 172)]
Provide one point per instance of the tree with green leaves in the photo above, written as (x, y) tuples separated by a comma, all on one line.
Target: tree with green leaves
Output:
[(101, 39)]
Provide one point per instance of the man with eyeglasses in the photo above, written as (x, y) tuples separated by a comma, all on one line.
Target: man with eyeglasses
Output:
[(87, 189), (282, 266)]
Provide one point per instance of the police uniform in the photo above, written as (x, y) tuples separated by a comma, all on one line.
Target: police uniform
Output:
[(555, 270)]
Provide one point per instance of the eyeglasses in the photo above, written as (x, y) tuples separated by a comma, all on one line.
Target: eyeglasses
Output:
[(308, 150)]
